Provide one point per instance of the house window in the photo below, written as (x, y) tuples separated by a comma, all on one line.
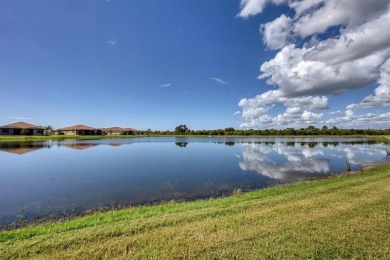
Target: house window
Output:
[(39, 131), (5, 130)]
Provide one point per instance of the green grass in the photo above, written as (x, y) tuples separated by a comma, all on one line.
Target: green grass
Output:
[(338, 217), (383, 138)]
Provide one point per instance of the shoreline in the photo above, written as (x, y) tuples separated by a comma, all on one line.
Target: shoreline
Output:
[(342, 217), (72, 214), (25, 220)]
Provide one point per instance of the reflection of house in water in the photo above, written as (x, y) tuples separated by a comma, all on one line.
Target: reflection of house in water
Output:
[(22, 148), (115, 144), (80, 146)]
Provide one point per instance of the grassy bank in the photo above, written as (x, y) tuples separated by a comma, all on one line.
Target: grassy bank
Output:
[(383, 138), (339, 217)]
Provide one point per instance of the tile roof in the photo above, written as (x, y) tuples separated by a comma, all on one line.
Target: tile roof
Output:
[(77, 127), (22, 125), (114, 129), (118, 129), (131, 129)]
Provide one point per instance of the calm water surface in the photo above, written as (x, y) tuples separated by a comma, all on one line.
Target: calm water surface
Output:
[(39, 178)]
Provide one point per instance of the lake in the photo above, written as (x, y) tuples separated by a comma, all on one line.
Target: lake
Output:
[(59, 177)]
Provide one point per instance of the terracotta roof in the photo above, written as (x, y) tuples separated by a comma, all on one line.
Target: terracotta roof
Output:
[(77, 127), (118, 129), (114, 129), (131, 129), (22, 125)]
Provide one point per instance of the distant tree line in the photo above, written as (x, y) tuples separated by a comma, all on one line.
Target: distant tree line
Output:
[(310, 130)]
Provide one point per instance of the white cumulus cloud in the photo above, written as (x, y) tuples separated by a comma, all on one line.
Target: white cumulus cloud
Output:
[(381, 98), (335, 12), (310, 65), (275, 33), (253, 7), (368, 120)]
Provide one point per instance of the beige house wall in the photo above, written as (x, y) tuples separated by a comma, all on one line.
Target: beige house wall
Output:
[(69, 132), (113, 133)]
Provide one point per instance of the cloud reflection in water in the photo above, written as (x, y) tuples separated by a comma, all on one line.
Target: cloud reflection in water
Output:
[(295, 161), (284, 163)]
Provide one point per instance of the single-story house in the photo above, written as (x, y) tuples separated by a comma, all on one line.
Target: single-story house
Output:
[(115, 130), (79, 130), (132, 131), (21, 128)]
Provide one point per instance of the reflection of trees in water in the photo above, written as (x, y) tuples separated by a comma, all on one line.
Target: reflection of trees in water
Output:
[(387, 152), (181, 144)]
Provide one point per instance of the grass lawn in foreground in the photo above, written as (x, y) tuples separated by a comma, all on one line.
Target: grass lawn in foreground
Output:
[(338, 217)]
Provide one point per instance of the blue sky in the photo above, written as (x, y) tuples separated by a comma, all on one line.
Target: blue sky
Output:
[(207, 64)]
